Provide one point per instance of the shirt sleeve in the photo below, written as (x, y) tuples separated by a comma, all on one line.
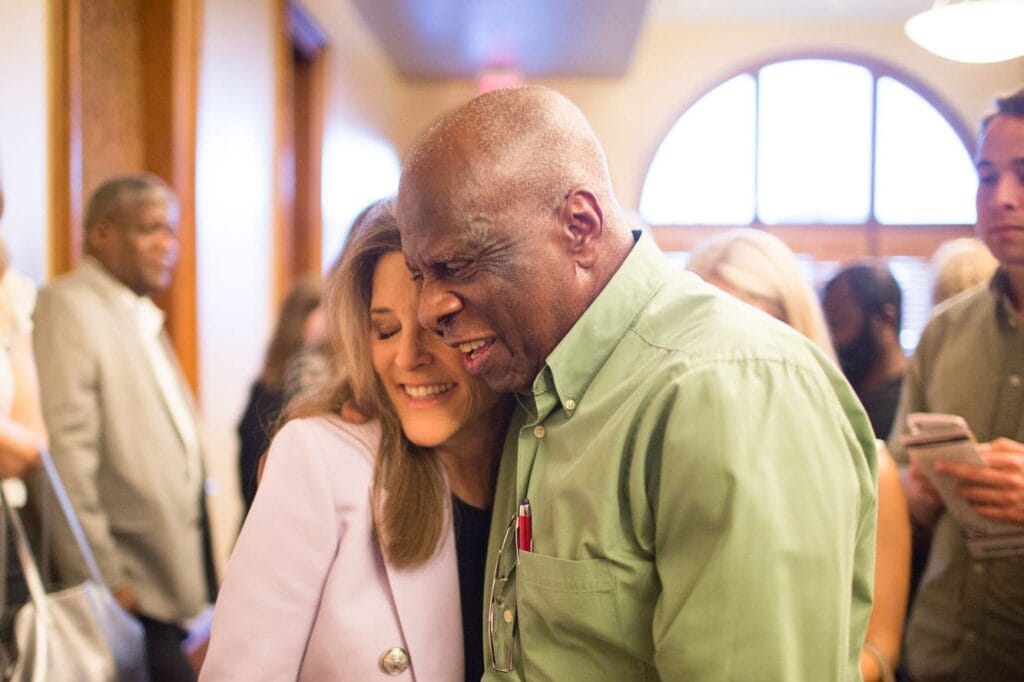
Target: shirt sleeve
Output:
[(760, 480), (268, 603)]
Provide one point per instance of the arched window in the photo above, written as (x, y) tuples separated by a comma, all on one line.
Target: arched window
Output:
[(811, 141), (839, 158)]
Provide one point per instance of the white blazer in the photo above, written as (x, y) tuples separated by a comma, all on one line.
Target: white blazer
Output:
[(308, 595)]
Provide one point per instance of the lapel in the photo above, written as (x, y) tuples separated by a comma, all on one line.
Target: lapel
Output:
[(127, 333), (428, 605)]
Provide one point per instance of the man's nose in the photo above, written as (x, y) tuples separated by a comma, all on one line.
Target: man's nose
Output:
[(1009, 191), (437, 307)]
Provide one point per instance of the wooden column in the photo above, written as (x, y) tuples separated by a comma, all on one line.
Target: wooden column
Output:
[(124, 85)]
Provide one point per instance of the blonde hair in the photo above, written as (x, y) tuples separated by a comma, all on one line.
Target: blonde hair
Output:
[(410, 519), (959, 264), (761, 266)]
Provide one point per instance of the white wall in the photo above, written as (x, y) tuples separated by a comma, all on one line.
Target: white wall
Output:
[(234, 190), (23, 133)]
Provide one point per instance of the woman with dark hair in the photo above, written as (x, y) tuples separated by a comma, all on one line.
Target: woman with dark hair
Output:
[(298, 326), (363, 553)]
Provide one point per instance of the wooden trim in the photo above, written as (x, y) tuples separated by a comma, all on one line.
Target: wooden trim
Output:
[(308, 120), (65, 136), (300, 77), (831, 242), (284, 155), (170, 32)]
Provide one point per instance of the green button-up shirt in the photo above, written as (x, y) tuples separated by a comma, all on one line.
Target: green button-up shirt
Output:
[(702, 483), (968, 616)]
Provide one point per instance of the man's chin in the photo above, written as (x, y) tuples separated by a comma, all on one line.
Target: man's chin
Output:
[(509, 381)]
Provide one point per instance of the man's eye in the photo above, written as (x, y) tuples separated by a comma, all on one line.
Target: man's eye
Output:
[(455, 268), (987, 178)]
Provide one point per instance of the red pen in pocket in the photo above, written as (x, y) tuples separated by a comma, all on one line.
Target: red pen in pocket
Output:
[(524, 527)]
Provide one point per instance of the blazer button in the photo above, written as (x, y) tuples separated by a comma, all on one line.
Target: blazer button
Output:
[(394, 661)]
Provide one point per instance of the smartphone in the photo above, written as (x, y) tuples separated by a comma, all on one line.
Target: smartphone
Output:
[(947, 437), (940, 436)]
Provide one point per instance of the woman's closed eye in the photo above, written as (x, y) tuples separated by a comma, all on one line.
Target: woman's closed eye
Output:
[(384, 329)]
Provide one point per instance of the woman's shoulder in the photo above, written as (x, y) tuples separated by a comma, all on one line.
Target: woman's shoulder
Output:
[(333, 438)]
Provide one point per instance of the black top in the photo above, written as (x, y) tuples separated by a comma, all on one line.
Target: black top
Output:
[(472, 527), (254, 432), (881, 406)]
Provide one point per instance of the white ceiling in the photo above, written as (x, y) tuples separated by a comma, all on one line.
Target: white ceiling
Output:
[(788, 9), (538, 38)]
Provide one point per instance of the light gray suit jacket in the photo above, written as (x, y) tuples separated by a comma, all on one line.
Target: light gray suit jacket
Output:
[(117, 448)]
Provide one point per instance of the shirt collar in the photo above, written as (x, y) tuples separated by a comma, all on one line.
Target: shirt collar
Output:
[(579, 356), (148, 317), (999, 285)]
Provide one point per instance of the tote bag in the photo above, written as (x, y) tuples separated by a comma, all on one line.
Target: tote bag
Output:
[(80, 633)]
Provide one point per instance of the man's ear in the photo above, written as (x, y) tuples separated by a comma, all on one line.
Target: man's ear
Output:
[(98, 235), (583, 222)]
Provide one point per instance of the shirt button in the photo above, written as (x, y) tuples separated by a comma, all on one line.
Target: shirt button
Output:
[(507, 615), (971, 637), (1015, 380), (570, 404), (394, 661), (979, 569), (538, 431)]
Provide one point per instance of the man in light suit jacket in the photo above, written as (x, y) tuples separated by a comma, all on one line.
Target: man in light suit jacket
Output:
[(123, 429)]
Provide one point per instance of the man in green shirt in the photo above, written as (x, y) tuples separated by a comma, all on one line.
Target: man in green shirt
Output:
[(700, 478), (967, 621)]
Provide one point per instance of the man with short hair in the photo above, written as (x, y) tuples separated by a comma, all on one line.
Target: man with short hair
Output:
[(967, 621), (863, 306), (698, 477), (122, 425)]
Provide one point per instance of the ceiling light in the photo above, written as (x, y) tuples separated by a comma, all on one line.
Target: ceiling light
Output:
[(974, 31)]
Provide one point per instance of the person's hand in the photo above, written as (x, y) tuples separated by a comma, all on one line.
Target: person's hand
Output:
[(19, 448), (923, 502), (352, 415), (995, 491), (126, 597)]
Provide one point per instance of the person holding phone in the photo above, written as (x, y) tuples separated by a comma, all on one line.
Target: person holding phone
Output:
[(967, 621)]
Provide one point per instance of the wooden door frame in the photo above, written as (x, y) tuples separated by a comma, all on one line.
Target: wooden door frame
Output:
[(170, 65), (297, 243)]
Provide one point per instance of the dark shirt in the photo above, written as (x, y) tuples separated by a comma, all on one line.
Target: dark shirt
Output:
[(881, 406), (471, 528), (254, 432)]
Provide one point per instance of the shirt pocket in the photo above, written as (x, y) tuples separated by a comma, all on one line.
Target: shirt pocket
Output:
[(569, 621)]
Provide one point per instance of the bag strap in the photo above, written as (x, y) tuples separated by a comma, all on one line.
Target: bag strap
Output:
[(29, 569), (84, 548)]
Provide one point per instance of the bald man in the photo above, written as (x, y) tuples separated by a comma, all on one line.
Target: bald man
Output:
[(699, 478)]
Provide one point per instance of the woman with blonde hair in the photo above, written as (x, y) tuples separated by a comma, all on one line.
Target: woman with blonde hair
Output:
[(363, 553), (22, 433), (760, 269), (959, 264)]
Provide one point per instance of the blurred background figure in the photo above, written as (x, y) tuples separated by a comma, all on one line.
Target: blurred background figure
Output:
[(22, 433), (959, 264), (122, 422), (758, 268), (299, 326), (864, 310)]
